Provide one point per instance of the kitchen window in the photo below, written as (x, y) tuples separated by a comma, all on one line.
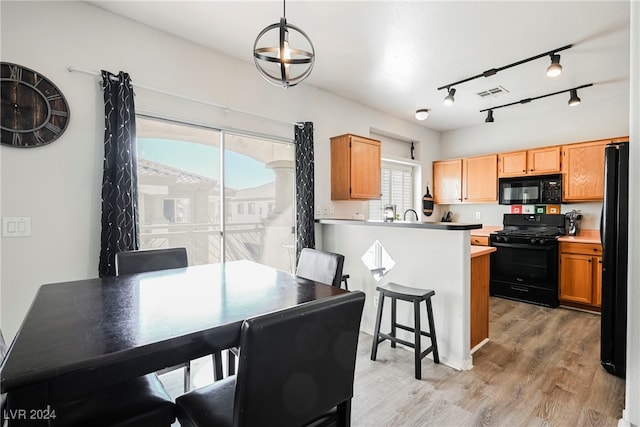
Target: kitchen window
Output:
[(397, 189)]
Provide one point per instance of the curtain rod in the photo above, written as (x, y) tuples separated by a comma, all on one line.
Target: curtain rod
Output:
[(72, 69)]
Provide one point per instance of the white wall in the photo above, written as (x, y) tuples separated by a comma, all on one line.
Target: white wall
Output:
[(427, 259), (58, 185), (631, 414)]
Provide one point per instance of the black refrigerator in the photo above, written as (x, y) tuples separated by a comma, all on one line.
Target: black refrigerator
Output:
[(614, 229)]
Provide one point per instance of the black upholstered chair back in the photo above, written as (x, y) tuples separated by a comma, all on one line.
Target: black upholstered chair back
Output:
[(3, 397), (298, 364), (320, 266), (141, 261)]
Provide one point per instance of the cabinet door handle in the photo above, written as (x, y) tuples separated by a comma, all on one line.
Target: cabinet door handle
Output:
[(589, 260)]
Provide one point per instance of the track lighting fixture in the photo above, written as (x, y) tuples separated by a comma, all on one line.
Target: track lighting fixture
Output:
[(573, 100), (422, 114), (448, 100), (489, 118), (277, 64), (554, 67)]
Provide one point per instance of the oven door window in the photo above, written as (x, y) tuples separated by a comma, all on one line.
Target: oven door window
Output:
[(526, 264)]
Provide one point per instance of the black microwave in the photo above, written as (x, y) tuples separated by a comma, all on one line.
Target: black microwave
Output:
[(530, 190)]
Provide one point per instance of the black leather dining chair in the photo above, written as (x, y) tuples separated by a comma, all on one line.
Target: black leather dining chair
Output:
[(141, 261), (315, 265), (320, 266), (296, 368), (141, 402), (131, 262), (3, 396)]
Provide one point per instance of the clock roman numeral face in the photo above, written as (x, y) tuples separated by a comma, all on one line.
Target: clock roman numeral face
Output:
[(34, 111), (15, 72)]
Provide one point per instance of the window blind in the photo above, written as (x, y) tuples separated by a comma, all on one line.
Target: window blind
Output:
[(396, 185)]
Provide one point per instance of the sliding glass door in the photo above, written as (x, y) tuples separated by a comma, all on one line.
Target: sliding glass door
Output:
[(182, 169)]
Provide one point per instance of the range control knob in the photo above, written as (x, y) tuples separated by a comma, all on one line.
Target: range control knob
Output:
[(534, 241)]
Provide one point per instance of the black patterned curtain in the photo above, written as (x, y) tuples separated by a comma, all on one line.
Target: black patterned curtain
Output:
[(120, 229), (305, 235)]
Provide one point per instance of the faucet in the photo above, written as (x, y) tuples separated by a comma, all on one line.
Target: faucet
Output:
[(411, 210)]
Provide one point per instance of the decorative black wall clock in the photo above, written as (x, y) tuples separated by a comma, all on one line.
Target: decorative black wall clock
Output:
[(33, 112)]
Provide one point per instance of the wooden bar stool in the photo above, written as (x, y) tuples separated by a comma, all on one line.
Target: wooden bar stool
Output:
[(405, 293)]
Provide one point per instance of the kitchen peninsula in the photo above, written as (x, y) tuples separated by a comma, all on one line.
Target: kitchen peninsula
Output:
[(430, 255)]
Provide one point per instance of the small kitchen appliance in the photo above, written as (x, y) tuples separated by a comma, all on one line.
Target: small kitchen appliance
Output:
[(574, 218), (536, 190), (389, 213)]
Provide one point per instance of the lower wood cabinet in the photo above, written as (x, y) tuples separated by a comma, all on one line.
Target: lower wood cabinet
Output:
[(581, 274), (480, 240), (479, 296)]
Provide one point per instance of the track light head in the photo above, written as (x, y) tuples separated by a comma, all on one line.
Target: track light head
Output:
[(555, 69), (422, 114), (489, 118), (448, 100), (573, 99)]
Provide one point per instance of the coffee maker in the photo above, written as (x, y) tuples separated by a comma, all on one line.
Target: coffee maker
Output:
[(574, 218)]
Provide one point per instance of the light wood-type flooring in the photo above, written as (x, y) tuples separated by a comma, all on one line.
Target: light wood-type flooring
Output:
[(540, 368)]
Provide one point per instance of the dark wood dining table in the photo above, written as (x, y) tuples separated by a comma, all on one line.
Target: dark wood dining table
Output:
[(82, 335)]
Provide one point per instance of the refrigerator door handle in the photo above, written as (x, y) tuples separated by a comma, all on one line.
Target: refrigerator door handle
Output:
[(601, 217)]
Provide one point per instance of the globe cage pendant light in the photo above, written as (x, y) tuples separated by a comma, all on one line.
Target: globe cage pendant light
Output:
[(283, 65)]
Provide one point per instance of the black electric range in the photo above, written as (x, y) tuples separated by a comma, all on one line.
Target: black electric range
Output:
[(525, 265)]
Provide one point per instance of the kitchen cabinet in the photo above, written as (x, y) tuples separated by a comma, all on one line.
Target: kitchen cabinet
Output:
[(468, 180), (479, 295), (512, 164), (480, 179), (583, 169), (447, 181), (537, 161), (355, 168), (581, 274), (479, 240)]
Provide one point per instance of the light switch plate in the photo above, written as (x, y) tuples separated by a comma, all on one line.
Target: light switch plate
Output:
[(16, 226)]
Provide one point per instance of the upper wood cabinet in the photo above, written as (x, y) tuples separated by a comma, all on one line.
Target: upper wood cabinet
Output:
[(355, 168), (512, 164), (447, 181), (538, 161), (583, 169), (480, 179), (468, 180)]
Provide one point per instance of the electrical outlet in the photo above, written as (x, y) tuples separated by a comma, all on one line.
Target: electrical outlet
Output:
[(376, 300), (325, 211), (477, 215), (331, 209), (318, 210)]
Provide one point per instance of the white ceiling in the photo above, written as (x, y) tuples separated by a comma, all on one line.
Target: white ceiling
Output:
[(393, 55)]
